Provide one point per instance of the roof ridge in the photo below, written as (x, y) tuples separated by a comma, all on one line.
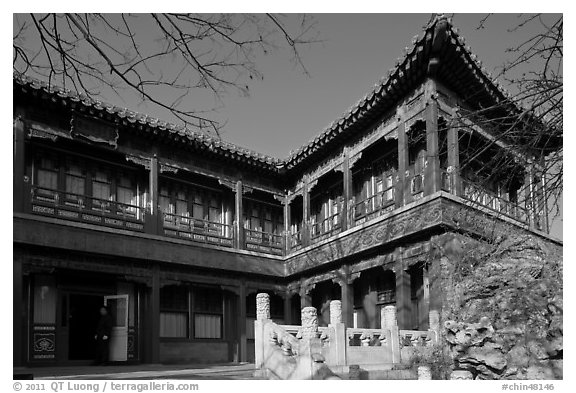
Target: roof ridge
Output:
[(384, 81)]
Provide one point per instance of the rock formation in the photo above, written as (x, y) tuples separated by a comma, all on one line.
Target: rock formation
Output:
[(503, 306)]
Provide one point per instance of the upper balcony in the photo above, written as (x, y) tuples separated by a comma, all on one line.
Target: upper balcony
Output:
[(400, 160), (203, 210)]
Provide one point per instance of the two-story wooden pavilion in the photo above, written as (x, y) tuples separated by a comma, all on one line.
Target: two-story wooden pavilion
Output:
[(176, 230)]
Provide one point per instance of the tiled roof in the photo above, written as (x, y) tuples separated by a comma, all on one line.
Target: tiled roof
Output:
[(209, 141), (438, 33), (422, 45)]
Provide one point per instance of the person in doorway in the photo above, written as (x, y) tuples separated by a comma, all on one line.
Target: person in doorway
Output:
[(102, 336)]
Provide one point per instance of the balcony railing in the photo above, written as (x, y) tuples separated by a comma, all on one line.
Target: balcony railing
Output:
[(490, 200), (264, 241), (197, 230), (374, 206), (83, 208), (295, 239), (447, 181), (327, 227), (417, 185)]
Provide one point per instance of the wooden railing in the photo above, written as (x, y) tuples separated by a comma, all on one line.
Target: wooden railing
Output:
[(197, 230), (490, 200), (374, 206), (84, 208), (264, 241), (328, 226), (295, 239), (447, 181)]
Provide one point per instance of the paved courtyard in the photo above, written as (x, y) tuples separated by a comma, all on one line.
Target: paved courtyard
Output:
[(192, 372)]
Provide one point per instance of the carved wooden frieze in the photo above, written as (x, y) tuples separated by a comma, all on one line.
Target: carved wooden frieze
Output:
[(139, 160), (32, 263), (198, 167), (94, 130), (386, 230), (229, 184), (326, 166), (354, 159), (472, 220), (385, 128), (379, 260), (38, 130), (168, 168)]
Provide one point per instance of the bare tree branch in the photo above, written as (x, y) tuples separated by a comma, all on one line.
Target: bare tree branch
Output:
[(130, 53)]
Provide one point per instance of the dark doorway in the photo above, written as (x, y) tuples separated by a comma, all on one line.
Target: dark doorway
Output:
[(83, 319)]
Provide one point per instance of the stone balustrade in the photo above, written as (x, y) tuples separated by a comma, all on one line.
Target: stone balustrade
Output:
[(308, 348)]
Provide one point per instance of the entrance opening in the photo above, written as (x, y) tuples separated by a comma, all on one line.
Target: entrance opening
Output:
[(83, 320)]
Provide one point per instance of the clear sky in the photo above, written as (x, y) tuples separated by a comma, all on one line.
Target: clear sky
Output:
[(288, 108)]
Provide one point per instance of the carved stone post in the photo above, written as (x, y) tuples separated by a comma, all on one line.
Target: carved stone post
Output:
[(424, 373), (389, 324), (388, 317), (460, 374), (335, 312), (262, 318), (262, 306), (309, 318), (336, 355)]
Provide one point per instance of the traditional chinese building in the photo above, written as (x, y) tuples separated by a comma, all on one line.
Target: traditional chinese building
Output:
[(176, 230)]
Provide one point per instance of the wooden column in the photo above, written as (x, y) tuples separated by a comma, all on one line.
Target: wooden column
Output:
[(538, 192), (155, 316), (305, 297), (19, 335), (346, 283), (432, 172), (305, 213), (287, 219), (19, 169), (287, 297), (544, 195), (287, 223), (238, 215), (348, 303), (346, 191), (529, 194), (403, 298), (401, 186), (242, 322), (425, 311), (454, 158), (153, 221)]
